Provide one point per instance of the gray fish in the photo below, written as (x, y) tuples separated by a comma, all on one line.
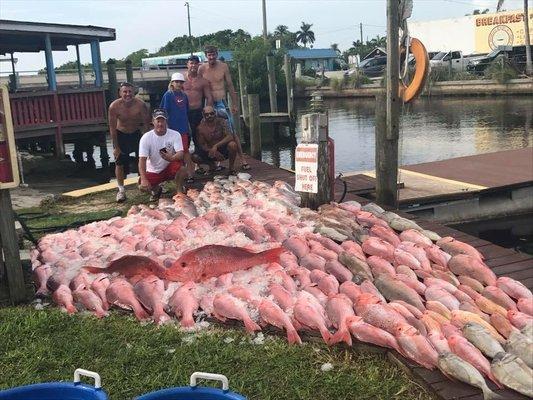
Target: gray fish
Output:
[(394, 289), (388, 216), (402, 224), (482, 339), (331, 233), (513, 373), (430, 235), (521, 346), (359, 268), (528, 331), (455, 367), (373, 208)]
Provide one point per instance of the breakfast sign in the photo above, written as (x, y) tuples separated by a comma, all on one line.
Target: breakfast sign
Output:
[(500, 29)]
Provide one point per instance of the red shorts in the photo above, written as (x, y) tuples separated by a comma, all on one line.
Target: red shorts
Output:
[(186, 141), (168, 174)]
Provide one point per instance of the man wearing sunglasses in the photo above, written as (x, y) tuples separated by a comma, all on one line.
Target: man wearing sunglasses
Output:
[(128, 119), (160, 157), (215, 141)]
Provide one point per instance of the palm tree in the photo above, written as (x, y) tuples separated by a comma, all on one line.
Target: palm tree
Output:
[(281, 31), (305, 34), (529, 64), (335, 46)]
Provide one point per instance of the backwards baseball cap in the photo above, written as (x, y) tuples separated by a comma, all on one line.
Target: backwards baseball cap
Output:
[(192, 57), (159, 113)]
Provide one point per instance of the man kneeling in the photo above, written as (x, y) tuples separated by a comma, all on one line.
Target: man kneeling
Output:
[(160, 156), (215, 141)]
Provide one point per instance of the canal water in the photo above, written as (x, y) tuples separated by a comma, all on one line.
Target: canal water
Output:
[(431, 130)]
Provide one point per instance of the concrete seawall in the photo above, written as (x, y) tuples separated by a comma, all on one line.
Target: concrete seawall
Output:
[(449, 88)]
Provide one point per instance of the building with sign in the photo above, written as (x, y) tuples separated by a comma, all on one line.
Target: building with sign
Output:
[(473, 34)]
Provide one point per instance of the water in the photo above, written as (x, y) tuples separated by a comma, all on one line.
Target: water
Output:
[(431, 130), (512, 232)]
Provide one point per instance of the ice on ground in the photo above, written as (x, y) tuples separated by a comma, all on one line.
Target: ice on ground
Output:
[(228, 340), (259, 339), (326, 367)]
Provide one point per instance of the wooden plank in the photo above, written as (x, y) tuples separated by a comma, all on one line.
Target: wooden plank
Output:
[(506, 269), (10, 249), (512, 258)]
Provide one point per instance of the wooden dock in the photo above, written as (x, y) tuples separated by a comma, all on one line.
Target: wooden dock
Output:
[(278, 117)]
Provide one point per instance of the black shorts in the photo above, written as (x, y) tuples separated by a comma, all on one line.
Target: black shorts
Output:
[(127, 143), (204, 155), (195, 117)]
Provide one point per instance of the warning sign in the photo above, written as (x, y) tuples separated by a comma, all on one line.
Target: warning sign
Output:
[(306, 161)]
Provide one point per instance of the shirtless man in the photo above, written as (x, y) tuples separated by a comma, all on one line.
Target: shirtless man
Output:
[(197, 89), (128, 120), (217, 73), (215, 141)]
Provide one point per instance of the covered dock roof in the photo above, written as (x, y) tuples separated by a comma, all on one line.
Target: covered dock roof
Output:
[(22, 37)]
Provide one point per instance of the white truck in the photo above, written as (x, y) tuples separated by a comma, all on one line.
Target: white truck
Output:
[(455, 59)]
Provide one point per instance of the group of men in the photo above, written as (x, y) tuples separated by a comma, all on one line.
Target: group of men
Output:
[(194, 108)]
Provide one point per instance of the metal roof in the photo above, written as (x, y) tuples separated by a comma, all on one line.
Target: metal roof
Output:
[(22, 37), (302, 54)]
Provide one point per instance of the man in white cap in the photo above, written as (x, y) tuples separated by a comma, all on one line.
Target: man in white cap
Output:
[(176, 104), (160, 157)]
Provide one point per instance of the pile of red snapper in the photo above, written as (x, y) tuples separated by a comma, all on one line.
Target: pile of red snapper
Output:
[(245, 251)]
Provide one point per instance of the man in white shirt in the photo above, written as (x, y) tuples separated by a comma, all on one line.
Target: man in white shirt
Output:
[(160, 157)]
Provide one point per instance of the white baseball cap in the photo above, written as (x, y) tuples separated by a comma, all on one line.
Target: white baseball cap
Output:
[(176, 76)]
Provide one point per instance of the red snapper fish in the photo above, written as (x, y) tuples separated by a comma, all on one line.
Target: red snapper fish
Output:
[(194, 265)]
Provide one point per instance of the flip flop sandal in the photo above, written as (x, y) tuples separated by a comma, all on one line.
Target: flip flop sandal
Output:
[(219, 168), (189, 180), (246, 167), (201, 171)]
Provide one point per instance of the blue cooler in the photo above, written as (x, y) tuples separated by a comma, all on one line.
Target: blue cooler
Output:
[(193, 392), (59, 390)]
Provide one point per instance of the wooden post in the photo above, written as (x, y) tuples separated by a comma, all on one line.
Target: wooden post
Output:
[(255, 126), (60, 146), (9, 245), (78, 64), (112, 79), (387, 136), (243, 91), (315, 130), (288, 83), (129, 71), (272, 84), (386, 154)]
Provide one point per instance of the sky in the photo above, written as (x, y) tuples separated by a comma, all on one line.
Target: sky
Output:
[(151, 24)]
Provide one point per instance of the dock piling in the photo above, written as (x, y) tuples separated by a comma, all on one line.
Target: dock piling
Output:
[(129, 71), (255, 126), (112, 79)]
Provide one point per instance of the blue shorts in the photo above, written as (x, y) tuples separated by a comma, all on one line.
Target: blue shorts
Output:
[(222, 110)]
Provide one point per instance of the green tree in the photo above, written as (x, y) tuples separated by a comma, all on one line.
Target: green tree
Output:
[(305, 34)]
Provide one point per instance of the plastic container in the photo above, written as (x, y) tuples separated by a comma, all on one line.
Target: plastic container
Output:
[(59, 390), (194, 392)]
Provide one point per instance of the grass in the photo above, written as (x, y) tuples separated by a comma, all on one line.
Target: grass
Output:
[(132, 359)]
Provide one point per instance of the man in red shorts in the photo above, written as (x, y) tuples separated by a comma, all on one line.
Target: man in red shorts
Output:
[(160, 157)]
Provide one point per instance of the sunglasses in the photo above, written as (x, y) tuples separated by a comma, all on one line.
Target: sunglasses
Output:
[(209, 114), (126, 84)]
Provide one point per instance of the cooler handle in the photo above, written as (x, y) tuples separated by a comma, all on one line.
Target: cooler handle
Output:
[(79, 372), (214, 377)]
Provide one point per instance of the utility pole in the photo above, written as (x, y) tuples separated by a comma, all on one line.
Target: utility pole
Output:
[(189, 22), (270, 67), (529, 66), (361, 31), (387, 136)]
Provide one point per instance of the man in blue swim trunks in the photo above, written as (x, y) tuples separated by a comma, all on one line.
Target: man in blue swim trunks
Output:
[(218, 74)]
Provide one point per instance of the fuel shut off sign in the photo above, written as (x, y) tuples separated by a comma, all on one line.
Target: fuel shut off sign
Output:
[(306, 162)]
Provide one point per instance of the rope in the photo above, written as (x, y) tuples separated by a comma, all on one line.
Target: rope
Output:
[(345, 187)]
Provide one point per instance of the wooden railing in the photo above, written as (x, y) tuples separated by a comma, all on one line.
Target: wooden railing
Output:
[(39, 109)]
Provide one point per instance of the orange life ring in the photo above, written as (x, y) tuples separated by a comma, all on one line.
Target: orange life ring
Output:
[(415, 87)]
